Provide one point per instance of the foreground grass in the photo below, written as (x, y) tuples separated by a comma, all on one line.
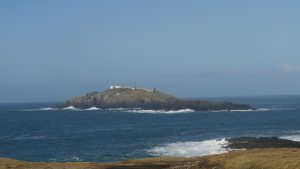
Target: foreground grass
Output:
[(249, 159)]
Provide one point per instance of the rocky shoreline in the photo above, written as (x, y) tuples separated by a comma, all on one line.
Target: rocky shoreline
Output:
[(278, 158), (261, 152)]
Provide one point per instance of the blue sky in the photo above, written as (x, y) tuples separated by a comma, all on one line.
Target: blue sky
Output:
[(51, 50)]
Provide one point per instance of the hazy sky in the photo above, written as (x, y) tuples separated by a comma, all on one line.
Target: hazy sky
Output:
[(50, 50)]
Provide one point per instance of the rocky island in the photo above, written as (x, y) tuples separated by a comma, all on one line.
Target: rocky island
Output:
[(148, 99)]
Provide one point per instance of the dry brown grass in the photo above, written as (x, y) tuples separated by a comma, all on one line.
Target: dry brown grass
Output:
[(250, 159)]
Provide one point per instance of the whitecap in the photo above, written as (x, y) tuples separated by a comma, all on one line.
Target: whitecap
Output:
[(276, 109), (123, 109), (253, 110), (47, 108), (70, 108), (162, 111), (247, 110), (265, 109), (75, 158), (116, 109), (40, 109), (191, 149), (93, 108), (238, 110), (291, 137), (219, 111)]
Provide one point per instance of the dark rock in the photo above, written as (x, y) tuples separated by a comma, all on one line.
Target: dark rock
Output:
[(261, 142)]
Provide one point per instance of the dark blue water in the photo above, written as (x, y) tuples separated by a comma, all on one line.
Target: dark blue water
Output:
[(27, 133)]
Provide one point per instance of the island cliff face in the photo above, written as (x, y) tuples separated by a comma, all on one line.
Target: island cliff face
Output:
[(126, 97)]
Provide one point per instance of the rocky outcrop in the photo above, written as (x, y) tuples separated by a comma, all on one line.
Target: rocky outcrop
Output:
[(145, 99), (261, 142)]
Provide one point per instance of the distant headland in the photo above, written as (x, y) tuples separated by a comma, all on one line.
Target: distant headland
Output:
[(142, 98)]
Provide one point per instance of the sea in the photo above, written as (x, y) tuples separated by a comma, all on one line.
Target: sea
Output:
[(37, 132)]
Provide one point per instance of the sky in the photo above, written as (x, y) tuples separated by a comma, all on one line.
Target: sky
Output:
[(53, 50)]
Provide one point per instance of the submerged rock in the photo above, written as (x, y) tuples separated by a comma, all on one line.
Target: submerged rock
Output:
[(127, 97)]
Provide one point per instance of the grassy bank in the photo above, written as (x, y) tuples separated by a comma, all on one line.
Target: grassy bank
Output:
[(250, 159)]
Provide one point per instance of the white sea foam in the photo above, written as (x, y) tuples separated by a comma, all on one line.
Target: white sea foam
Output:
[(162, 111), (47, 108), (243, 110), (291, 137), (253, 110), (72, 158), (70, 108), (265, 109), (75, 158), (93, 108), (40, 109), (139, 110), (190, 149), (122, 109), (276, 109)]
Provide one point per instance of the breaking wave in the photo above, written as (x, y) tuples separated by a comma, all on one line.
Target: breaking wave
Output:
[(122, 109), (190, 149), (129, 110), (162, 111), (255, 110), (93, 108), (74, 158), (40, 109), (47, 108), (70, 108), (243, 110), (275, 109), (295, 137), (139, 110)]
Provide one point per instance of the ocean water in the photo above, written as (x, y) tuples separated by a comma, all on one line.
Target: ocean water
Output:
[(35, 132)]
